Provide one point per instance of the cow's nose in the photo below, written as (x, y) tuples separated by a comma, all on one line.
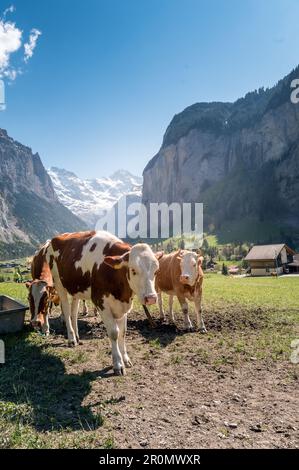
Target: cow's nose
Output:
[(36, 324), (150, 299), (185, 277)]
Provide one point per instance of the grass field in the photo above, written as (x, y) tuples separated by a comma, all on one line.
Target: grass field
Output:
[(233, 387)]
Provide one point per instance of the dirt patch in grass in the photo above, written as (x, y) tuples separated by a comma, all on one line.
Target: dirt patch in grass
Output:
[(233, 387)]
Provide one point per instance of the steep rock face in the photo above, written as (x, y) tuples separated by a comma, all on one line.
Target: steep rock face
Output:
[(29, 208), (240, 159), (20, 169)]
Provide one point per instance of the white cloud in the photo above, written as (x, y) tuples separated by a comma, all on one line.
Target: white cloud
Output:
[(31, 45), (12, 73), (10, 9), (11, 41)]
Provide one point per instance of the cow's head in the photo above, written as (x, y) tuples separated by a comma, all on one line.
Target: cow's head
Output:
[(142, 265), (190, 263), (39, 296)]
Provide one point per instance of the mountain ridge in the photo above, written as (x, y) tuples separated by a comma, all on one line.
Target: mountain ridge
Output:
[(240, 159), (29, 208), (90, 198)]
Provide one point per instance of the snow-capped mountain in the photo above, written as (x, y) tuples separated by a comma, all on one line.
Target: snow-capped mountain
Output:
[(91, 198)]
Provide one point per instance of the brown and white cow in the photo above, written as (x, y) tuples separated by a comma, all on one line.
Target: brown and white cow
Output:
[(42, 294), (101, 267), (181, 274)]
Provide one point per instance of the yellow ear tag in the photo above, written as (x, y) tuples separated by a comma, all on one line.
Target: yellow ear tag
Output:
[(117, 266)]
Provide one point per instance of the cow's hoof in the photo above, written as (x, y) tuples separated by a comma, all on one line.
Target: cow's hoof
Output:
[(119, 372), (189, 329), (72, 344), (79, 341), (128, 363)]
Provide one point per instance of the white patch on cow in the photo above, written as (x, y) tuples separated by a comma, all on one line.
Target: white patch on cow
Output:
[(90, 258), (189, 267), (117, 307), (45, 246), (38, 289), (54, 269), (86, 295), (142, 267)]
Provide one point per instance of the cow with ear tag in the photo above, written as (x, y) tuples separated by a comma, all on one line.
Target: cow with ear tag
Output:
[(136, 280), (41, 298), (180, 274), (101, 267), (41, 292)]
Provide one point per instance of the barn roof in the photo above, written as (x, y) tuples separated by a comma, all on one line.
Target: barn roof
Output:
[(267, 252)]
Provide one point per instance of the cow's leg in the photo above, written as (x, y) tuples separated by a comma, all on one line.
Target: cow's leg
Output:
[(162, 314), (46, 326), (95, 311), (113, 333), (199, 319), (171, 314), (85, 309), (74, 314), (67, 317), (184, 306), (122, 325), (61, 317)]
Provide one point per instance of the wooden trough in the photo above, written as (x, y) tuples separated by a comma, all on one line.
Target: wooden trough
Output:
[(12, 315)]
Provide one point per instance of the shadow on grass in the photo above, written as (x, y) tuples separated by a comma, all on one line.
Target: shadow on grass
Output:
[(35, 388)]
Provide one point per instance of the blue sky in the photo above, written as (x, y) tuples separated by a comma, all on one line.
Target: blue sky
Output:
[(107, 76)]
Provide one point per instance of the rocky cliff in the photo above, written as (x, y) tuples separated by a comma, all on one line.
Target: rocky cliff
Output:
[(240, 159), (29, 208)]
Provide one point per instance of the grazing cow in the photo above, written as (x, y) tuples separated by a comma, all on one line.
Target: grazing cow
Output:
[(181, 274), (101, 267), (42, 294)]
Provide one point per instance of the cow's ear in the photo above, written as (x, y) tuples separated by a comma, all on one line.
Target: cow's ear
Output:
[(28, 284), (200, 260), (159, 255), (117, 262)]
